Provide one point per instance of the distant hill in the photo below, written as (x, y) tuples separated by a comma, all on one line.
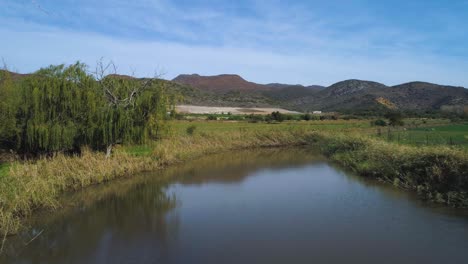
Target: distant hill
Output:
[(342, 96), (361, 95), (219, 83)]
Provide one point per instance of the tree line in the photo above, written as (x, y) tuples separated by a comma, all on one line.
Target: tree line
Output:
[(63, 108)]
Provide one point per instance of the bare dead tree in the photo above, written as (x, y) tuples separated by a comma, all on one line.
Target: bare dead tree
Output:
[(110, 87), (109, 69)]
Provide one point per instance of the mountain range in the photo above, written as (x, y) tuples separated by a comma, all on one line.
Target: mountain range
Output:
[(348, 95)]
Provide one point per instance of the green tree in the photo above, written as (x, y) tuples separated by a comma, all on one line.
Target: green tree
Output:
[(277, 116), (395, 119), (56, 109), (62, 108), (379, 122), (8, 106)]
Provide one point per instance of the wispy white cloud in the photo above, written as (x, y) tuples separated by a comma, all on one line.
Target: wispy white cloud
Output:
[(56, 46), (265, 41)]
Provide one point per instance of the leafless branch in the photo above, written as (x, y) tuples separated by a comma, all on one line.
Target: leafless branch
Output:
[(38, 6), (36, 236), (104, 70)]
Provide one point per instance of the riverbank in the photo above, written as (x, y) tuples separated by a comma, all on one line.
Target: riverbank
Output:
[(439, 174)]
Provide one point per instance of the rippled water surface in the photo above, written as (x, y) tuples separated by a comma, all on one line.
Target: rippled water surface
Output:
[(266, 206)]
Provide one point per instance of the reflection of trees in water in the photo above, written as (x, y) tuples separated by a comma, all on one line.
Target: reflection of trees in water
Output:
[(235, 166), (134, 219), (134, 212)]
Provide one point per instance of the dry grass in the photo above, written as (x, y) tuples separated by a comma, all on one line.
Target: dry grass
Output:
[(440, 173), (38, 184), (437, 173)]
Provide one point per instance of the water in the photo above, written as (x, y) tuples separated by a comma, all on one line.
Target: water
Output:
[(267, 206)]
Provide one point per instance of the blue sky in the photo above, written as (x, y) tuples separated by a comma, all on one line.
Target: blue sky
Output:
[(306, 42)]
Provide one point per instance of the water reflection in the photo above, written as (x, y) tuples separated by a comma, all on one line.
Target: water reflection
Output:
[(135, 207), (263, 206)]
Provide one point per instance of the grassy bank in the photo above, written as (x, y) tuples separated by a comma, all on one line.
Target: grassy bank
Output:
[(38, 184), (437, 173)]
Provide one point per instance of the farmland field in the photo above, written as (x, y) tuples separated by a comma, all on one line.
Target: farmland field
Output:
[(449, 134), (180, 127)]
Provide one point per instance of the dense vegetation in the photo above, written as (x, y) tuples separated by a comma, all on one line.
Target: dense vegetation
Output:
[(63, 108)]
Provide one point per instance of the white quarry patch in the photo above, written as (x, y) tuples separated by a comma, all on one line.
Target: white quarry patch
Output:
[(192, 109)]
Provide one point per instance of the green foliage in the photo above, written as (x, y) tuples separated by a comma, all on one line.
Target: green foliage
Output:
[(440, 174), (236, 117), (139, 150), (211, 117), (8, 105), (395, 119), (176, 116), (307, 117), (277, 116), (62, 108), (4, 167), (191, 130), (56, 108), (431, 134), (379, 122), (255, 118)]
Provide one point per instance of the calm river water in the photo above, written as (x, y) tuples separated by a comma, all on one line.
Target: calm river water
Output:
[(266, 206)]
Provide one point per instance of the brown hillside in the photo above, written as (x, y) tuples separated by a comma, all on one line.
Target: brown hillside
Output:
[(219, 83)]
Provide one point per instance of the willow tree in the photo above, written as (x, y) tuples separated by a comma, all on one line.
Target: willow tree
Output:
[(134, 109), (62, 108), (56, 109), (8, 108)]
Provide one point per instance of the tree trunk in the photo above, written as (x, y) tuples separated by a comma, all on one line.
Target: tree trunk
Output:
[(109, 151)]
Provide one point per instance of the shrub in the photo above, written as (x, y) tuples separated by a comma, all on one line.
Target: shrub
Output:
[(395, 119), (277, 116), (256, 118), (379, 122), (191, 130)]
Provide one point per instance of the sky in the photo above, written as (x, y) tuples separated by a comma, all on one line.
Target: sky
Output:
[(296, 41)]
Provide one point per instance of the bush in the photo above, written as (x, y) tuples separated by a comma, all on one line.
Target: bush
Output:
[(211, 117), (395, 119), (235, 118), (277, 116), (191, 130), (379, 122), (255, 118)]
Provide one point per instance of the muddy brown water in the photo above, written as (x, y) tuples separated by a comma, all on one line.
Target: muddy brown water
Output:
[(264, 206)]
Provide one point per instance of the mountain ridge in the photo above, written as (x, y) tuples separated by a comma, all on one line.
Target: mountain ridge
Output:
[(351, 94)]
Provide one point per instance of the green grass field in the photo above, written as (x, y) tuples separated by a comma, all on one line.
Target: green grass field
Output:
[(449, 134), (418, 131), (180, 127), (200, 127)]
